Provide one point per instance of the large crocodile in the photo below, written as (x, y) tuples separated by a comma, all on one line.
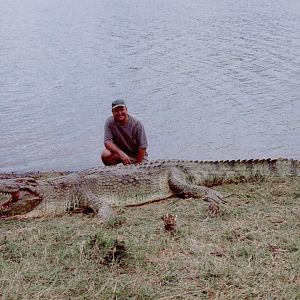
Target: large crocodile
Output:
[(102, 188)]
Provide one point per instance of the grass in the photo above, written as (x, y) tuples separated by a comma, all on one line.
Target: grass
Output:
[(247, 250)]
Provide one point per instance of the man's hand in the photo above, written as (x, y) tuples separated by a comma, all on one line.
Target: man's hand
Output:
[(116, 151), (125, 158)]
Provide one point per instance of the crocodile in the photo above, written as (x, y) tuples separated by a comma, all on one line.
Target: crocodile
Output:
[(102, 188)]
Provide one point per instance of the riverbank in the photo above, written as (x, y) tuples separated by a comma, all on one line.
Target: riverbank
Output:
[(247, 249)]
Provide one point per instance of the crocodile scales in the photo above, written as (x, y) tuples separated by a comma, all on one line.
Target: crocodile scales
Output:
[(102, 188)]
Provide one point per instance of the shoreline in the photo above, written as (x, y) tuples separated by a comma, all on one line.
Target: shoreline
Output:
[(34, 174)]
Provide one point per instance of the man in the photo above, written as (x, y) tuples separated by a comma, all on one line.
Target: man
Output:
[(124, 137)]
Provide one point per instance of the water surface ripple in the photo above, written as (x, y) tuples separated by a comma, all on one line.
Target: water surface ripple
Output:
[(210, 79)]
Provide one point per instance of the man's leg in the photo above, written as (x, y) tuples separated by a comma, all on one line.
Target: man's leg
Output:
[(109, 158)]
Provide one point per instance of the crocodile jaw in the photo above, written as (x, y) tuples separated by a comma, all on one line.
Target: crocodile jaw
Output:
[(23, 197)]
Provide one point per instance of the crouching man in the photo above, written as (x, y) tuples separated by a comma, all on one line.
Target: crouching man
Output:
[(125, 139)]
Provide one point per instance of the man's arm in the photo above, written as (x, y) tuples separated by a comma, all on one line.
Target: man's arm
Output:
[(140, 155), (142, 142), (110, 145)]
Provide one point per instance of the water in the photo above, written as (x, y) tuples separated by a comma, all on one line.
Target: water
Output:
[(211, 80)]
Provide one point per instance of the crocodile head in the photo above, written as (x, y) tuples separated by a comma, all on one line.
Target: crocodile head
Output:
[(23, 195), (20, 196)]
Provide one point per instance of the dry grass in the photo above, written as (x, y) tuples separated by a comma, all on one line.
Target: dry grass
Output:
[(248, 249)]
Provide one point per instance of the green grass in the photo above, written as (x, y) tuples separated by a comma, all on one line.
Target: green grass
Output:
[(249, 250)]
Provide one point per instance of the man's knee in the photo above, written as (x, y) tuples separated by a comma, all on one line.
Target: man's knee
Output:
[(106, 157), (109, 158), (105, 153)]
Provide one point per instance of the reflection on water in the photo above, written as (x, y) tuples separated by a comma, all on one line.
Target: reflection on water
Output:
[(210, 79)]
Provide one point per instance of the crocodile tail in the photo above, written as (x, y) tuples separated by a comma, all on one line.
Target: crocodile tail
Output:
[(211, 173)]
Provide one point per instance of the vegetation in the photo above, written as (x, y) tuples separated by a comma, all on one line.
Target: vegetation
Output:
[(247, 249)]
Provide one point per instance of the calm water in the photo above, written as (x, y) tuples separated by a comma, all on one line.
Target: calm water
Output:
[(217, 79)]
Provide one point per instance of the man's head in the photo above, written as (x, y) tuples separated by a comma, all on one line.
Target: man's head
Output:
[(118, 103), (119, 111)]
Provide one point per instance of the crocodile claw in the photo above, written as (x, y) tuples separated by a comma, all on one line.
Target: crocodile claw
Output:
[(214, 196)]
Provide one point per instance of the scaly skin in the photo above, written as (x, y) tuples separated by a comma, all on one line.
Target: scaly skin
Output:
[(102, 188)]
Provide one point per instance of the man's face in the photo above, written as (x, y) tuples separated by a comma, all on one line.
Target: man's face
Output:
[(120, 114)]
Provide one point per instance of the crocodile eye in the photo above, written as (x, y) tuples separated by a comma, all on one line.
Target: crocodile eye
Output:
[(29, 181), (32, 182)]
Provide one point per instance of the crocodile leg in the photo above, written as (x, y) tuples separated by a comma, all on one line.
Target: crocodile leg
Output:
[(101, 207), (179, 185)]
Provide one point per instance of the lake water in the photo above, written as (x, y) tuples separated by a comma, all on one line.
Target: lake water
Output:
[(217, 79)]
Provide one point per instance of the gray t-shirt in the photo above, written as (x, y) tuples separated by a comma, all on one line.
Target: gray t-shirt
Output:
[(129, 137)]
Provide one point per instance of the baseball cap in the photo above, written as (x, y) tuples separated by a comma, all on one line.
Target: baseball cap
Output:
[(117, 103)]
